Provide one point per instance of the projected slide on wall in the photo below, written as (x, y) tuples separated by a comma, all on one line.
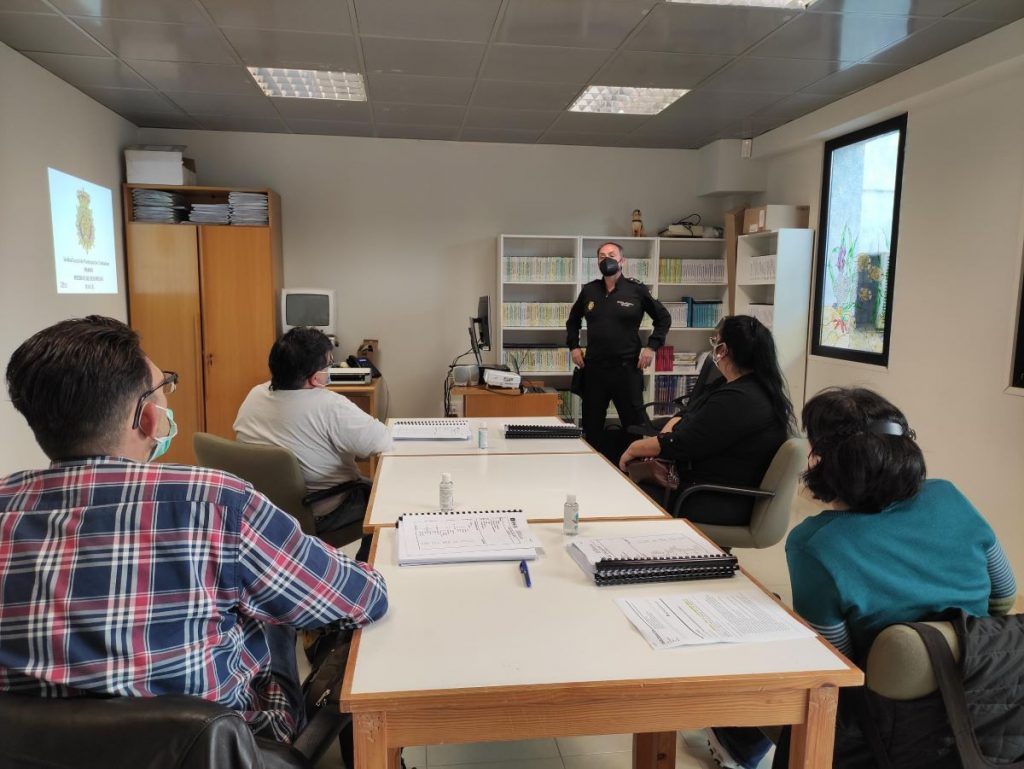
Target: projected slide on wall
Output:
[(83, 235)]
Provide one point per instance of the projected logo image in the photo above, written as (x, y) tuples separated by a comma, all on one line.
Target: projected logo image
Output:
[(84, 223)]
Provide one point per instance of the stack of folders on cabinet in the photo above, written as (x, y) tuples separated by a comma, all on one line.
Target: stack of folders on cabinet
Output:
[(543, 431), (670, 557), (158, 206), (248, 207), (461, 536)]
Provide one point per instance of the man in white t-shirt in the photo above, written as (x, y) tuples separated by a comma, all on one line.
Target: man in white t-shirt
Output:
[(325, 430)]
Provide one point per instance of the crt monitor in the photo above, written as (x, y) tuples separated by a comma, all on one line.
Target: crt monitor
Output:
[(482, 322), (307, 307)]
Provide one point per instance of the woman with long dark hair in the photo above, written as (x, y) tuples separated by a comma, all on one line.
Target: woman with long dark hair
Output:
[(730, 435)]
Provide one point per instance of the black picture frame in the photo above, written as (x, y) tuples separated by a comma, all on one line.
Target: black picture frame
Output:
[(818, 348)]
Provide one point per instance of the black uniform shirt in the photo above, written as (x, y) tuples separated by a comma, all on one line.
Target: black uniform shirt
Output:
[(613, 320)]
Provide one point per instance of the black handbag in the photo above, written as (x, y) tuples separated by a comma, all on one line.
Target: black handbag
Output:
[(577, 384)]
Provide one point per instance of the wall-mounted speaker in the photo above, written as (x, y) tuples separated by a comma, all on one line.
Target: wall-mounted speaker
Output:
[(465, 375)]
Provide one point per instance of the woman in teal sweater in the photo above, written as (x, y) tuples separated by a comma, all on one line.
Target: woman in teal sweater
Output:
[(891, 546)]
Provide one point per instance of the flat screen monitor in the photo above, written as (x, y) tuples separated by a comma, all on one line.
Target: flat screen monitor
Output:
[(307, 307), (482, 322)]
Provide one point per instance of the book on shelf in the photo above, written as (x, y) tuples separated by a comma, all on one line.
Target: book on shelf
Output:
[(535, 358), (763, 312), (527, 269), (674, 270), (663, 358), (680, 555), (536, 314), (702, 313)]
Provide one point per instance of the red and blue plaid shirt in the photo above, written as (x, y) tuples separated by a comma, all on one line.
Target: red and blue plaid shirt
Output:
[(144, 579)]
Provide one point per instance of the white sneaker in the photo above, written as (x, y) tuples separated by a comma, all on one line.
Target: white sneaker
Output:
[(720, 753)]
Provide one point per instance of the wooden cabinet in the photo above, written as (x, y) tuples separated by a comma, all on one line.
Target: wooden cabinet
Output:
[(204, 299)]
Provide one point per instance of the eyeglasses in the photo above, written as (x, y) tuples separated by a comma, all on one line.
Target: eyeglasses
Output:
[(168, 384), (715, 341)]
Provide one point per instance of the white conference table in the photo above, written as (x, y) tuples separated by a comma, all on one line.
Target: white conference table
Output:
[(534, 483), (467, 653), (496, 440)]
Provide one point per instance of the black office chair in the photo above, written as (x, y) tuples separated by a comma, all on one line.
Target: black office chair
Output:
[(708, 378)]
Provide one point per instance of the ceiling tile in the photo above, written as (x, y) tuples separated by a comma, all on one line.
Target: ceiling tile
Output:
[(659, 70), (837, 37), (945, 35), (160, 120), (853, 78), (323, 109), (992, 10), (769, 75), (713, 29), (144, 10), (442, 133), (466, 20), (684, 127), (294, 50), (49, 34), (889, 7), (200, 78), (531, 63), (328, 16), (792, 107), (26, 6), (583, 122), (501, 135), (417, 89), (246, 124), (578, 23), (158, 42), (538, 96), (422, 57), (240, 105), (662, 142), (713, 106), (418, 114), (131, 99), (581, 139), (488, 117), (89, 70), (330, 128)]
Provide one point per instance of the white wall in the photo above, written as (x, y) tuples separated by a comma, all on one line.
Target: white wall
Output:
[(957, 270), (405, 231), (44, 122)]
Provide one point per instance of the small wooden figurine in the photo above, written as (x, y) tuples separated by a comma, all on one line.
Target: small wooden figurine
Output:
[(638, 224)]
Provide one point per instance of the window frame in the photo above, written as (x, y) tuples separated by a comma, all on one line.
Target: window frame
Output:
[(898, 123)]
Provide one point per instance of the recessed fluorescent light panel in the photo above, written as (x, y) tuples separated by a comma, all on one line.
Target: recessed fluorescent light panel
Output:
[(309, 84), (624, 100), (797, 4)]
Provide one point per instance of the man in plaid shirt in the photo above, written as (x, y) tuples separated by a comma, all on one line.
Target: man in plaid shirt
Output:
[(122, 577)]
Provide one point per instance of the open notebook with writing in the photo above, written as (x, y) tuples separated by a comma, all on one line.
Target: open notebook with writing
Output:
[(680, 555), (464, 536)]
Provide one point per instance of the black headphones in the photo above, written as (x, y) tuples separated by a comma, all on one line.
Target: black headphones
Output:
[(886, 427)]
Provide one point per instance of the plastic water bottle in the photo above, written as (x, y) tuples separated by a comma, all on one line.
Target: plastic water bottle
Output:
[(571, 516), (447, 492), (481, 436)]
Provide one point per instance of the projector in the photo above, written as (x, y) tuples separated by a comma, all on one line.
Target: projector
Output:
[(344, 375), (496, 378)]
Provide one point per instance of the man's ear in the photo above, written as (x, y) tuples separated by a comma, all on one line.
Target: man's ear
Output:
[(149, 420)]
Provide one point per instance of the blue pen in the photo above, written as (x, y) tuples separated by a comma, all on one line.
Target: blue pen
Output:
[(526, 573)]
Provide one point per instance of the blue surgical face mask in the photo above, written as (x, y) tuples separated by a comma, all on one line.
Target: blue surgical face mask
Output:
[(162, 444)]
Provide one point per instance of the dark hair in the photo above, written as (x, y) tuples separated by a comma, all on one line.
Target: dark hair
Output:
[(296, 356), (77, 382), (864, 460), (752, 348), (610, 243)]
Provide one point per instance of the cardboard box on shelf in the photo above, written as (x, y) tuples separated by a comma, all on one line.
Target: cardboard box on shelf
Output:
[(773, 217), (159, 164)]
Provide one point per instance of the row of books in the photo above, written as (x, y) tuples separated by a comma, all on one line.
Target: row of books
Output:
[(691, 271), (763, 312), (695, 313), (535, 313), (761, 268), (640, 269), (680, 312), (538, 268), (667, 358), (539, 358), (668, 388)]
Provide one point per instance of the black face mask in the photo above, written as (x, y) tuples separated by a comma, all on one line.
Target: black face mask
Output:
[(608, 267)]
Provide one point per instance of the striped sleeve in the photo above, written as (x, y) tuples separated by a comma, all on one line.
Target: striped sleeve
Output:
[(1004, 585), (838, 635)]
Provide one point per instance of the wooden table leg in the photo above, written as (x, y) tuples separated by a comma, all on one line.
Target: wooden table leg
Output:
[(654, 750), (813, 740), (371, 748)]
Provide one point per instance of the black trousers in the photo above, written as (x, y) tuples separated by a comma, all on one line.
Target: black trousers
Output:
[(618, 382)]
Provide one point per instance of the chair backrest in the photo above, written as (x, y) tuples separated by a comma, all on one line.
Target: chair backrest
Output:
[(769, 519), (169, 732), (898, 666), (272, 470)]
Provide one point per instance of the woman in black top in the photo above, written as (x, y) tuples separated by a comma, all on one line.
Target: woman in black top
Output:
[(731, 433)]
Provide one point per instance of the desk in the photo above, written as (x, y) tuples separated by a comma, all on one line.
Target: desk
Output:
[(536, 483), (483, 402), (496, 441), (468, 654), (366, 397)]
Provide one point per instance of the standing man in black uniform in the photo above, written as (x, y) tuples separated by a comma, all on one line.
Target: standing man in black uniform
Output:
[(614, 306)]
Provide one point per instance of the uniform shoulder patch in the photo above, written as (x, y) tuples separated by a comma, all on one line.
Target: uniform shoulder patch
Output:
[(634, 280)]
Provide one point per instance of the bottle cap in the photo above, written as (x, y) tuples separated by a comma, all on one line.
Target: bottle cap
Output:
[(570, 498), (446, 477)]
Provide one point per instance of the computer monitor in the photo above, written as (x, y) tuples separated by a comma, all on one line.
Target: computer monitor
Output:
[(482, 322), (307, 307)]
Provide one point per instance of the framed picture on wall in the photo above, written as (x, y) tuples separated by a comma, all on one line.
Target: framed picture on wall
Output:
[(856, 258)]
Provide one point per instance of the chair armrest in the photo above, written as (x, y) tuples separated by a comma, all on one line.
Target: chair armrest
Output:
[(745, 491)]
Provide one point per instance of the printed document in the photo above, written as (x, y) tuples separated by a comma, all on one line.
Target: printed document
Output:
[(467, 536), (681, 544)]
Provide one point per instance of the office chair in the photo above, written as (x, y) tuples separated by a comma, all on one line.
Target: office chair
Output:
[(898, 666), (708, 378), (273, 471), (769, 519)]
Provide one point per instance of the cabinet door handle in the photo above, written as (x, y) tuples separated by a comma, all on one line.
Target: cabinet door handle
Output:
[(209, 359)]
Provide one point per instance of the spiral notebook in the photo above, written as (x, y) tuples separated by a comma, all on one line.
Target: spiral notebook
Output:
[(543, 431), (465, 535), (430, 430), (681, 555)]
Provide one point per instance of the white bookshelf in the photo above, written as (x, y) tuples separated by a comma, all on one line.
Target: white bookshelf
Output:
[(773, 283)]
